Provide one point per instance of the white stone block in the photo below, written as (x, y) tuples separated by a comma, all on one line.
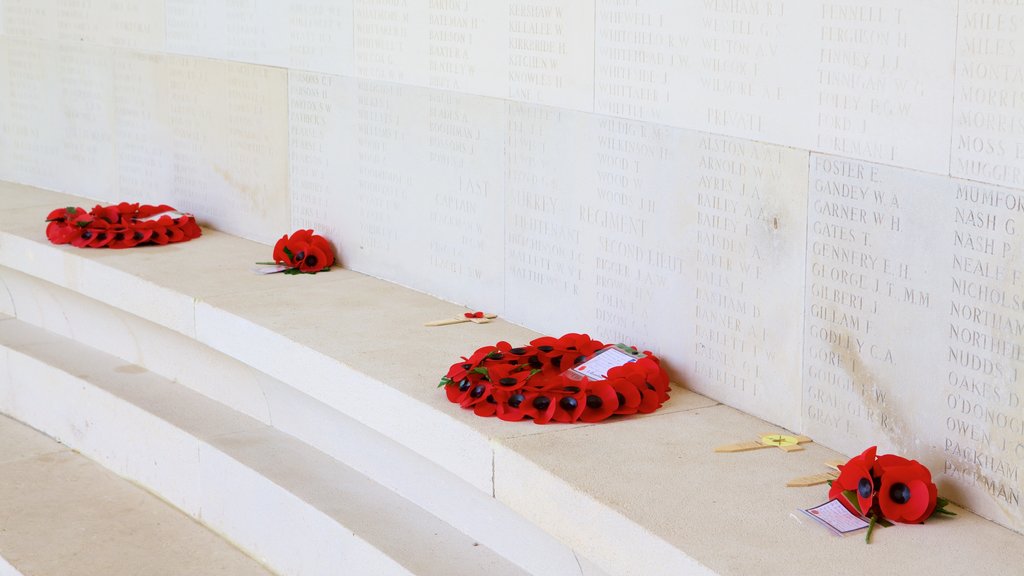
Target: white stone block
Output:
[(913, 319), (988, 119), (747, 224), (144, 141), (247, 31), (682, 243), (551, 53), (847, 78), (30, 18), (320, 36), (390, 41), (32, 132), (86, 165), (229, 123)]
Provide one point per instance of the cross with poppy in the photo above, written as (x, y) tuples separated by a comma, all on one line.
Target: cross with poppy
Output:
[(474, 317), (770, 440), (816, 479)]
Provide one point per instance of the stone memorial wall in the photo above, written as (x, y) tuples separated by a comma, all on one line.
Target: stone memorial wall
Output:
[(812, 210)]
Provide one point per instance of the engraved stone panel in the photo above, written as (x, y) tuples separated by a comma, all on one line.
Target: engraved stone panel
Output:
[(320, 118), (664, 238), (86, 162), (466, 42), (988, 120), (751, 63), (123, 23), (460, 216), (749, 236), (144, 143), (136, 24), (643, 57), (840, 77), (595, 215), (884, 81), (245, 30), (912, 314), (519, 49), (30, 18), (382, 196), (633, 211), (551, 52), (982, 418), (389, 40), (320, 35), (547, 252), (229, 126), (32, 131), (409, 182)]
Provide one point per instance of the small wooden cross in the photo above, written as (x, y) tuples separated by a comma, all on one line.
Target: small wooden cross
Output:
[(474, 317), (771, 440), (816, 479)]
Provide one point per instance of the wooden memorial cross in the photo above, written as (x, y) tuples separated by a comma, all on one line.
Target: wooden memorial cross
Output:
[(816, 479), (771, 440), (474, 317)]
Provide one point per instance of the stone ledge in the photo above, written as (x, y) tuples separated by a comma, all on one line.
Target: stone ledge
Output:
[(637, 496), (63, 514), (298, 509)]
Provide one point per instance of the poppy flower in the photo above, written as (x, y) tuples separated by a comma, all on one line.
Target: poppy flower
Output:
[(516, 406), (626, 393), (478, 391), (907, 493), (601, 402), (856, 475), (569, 405), (60, 232)]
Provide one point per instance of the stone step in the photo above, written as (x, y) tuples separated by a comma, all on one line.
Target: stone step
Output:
[(287, 504), (64, 514), (643, 495)]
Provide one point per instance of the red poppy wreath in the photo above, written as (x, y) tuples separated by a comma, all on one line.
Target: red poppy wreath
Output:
[(546, 381), (887, 488), (120, 226)]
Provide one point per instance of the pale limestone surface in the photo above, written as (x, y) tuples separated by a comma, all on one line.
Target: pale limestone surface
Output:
[(895, 254), (66, 515), (327, 341), (285, 502), (988, 117), (849, 79), (144, 345), (730, 513)]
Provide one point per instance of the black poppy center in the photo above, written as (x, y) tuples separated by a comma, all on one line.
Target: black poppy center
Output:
[(467, 366), (311, 260), (568, 403), (594, 402), (518, 351), (300, 256), (899, 493), (497, 355), (864, 488), (507, 381), (579, 359), (545, 348), (137, 236), (478, 391), (464, 385), (87, 234), (541, 402), (516, 400)]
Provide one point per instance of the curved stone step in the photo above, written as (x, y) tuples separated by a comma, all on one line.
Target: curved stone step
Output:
[(64, 514), (287, 504)]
